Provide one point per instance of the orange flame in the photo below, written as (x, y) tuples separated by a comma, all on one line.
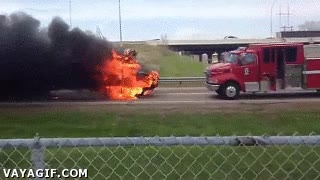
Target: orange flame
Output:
[(121, 80)]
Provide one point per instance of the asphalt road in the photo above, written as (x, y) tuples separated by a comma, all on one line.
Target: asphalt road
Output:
[(193, 95), (202, 95), (174, 100)]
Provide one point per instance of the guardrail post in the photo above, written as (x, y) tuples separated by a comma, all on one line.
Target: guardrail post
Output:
[(37, 157)]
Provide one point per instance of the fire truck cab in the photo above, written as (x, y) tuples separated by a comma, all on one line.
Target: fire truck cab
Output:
[(264, 68)]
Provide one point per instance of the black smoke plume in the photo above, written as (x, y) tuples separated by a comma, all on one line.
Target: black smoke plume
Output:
[(35, 60)]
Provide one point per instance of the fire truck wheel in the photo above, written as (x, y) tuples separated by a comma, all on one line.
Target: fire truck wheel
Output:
[(231, 90)]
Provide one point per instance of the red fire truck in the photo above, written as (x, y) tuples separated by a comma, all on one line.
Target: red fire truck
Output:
[(265, 68)]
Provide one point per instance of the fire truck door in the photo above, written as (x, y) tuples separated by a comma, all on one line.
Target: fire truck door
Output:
[(249, 71), (268, 69)]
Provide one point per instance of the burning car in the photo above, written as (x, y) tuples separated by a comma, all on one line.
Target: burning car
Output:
[(123, 78)]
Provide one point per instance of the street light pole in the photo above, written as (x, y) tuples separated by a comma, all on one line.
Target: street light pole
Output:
[(120, 28), (271, 13), (70, 14)]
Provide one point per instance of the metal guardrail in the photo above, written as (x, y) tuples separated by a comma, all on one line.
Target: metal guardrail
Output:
[(182, 79)]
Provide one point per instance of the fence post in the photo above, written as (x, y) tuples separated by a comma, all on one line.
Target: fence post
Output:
[(37, 157)]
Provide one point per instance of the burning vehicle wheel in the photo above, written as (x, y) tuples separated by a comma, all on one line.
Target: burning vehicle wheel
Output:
[(145, 92), (231, 90)]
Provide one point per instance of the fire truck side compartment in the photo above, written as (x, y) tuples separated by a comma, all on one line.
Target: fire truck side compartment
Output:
[(283, 62), (293, 67), (311, 73), (293, 75)]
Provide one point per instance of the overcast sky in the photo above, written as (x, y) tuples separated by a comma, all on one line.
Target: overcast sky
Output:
[(178, 19)]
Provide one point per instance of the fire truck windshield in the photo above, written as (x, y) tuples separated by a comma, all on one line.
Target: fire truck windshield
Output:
[(231, 58)]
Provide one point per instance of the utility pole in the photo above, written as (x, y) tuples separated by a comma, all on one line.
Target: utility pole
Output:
[(271, 13), (288, 18), (70, 14), (120, 28), (284, 27)]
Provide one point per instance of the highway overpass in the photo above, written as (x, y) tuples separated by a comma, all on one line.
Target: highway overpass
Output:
[(209, 47)]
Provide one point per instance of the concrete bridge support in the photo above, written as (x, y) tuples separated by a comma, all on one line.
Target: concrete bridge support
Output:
[(200, 57)]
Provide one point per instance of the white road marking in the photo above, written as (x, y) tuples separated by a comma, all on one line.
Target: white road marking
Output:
[(174, 94)]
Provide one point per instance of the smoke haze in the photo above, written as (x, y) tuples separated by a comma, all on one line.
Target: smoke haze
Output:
[(310, 26), (34, 60)]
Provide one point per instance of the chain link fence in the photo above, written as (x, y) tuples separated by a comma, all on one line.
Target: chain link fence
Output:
[(229, 157)]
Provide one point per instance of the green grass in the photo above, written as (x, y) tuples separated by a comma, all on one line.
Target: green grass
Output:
[(168, 63), (91, 124), (175, 66), (176, 162), (187, 162)]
